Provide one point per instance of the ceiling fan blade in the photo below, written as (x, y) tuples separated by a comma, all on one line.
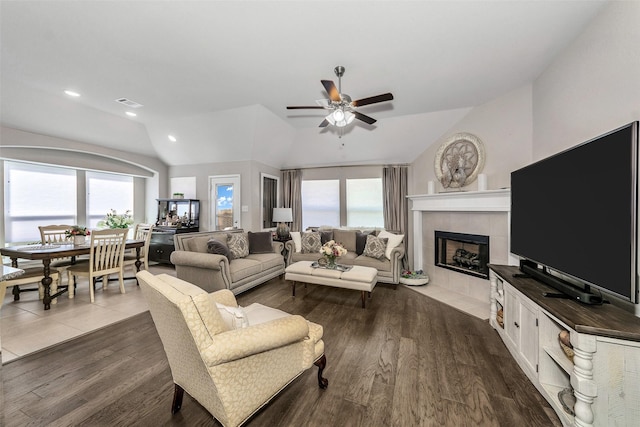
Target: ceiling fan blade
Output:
[(366, 119), (324, 123), (310, 107), (331, 89), (372, 100)]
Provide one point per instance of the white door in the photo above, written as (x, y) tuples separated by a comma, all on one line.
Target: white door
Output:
[(225, 202)]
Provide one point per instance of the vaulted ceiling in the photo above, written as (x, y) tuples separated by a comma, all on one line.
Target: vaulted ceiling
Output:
[(218, 74)]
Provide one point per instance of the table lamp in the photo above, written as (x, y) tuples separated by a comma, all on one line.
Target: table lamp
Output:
[(282, 216)]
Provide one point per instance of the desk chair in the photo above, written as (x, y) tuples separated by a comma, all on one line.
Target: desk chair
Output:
[(106, 257)]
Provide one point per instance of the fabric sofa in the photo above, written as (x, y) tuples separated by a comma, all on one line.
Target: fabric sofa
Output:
[(213, 271), (389, 266)]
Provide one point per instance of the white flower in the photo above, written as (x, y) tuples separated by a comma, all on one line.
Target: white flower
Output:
[(333, 249)]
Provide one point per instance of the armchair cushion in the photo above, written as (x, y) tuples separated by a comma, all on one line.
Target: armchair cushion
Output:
[(238, 343), (260, 243), (238, 244)]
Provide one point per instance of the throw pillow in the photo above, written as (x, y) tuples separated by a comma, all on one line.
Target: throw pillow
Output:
[(260, 243), (311, 243), (347, 238), (325, 236), (233, 317), (394, 240), (375, 247), (297, 240), (238, 245), (217, 247), (361, 241)]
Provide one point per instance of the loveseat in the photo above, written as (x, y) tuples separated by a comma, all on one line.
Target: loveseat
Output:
[(204, 263), (389, 266)]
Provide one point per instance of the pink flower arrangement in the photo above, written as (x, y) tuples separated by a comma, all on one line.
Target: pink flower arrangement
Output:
[(78, 230)]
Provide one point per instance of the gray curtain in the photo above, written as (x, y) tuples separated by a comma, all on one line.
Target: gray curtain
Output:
[(269, 201), (395, 205), (292, 195)]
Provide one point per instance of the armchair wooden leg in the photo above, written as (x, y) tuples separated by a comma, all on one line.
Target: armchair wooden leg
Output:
[(178, 393), (321, 363)]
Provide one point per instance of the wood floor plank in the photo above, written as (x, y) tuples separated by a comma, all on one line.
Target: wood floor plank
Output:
[(393, 363)]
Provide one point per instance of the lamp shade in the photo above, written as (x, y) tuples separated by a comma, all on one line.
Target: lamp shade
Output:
[(282, 215)]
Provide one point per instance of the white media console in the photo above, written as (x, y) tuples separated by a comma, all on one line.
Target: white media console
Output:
[(605, 371)]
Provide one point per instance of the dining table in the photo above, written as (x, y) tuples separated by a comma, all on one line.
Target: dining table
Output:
[(48, 252)]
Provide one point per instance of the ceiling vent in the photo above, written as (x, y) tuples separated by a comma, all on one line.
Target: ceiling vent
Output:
[(128, 103)]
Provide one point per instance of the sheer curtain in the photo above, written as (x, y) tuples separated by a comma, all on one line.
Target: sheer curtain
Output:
[(395, 204), (292, 195)]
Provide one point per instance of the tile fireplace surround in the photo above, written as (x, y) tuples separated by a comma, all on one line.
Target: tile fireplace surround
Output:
[(473, 212)]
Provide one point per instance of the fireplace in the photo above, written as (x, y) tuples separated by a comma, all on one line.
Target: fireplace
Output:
[(464, 253)]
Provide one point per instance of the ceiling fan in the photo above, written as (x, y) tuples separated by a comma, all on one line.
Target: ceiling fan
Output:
[(343, 109)]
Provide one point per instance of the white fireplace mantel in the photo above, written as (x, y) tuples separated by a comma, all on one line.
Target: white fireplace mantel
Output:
[(455, 201), (464, 201)]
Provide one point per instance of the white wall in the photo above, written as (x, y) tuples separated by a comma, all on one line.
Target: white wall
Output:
[(593, 86), (503, 125), (249, 172)]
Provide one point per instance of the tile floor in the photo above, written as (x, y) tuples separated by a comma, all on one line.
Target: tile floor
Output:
[(26, 327)]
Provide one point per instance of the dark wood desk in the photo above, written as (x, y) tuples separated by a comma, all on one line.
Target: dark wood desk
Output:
[(48, 252)]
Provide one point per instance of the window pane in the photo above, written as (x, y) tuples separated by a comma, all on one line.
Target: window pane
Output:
[(224, 206), (107, 191), (364, 203), (37, 195), (320, 203)]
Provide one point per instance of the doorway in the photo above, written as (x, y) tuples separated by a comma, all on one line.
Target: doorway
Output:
[(225, 202)]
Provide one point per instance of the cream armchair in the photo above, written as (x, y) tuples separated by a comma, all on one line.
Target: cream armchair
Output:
[(231, 372)]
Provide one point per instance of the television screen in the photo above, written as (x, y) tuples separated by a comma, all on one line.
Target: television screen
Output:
[(575, 212)]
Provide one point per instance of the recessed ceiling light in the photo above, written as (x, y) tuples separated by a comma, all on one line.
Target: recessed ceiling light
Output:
[(172, 138), (71, 93), (130, 114)]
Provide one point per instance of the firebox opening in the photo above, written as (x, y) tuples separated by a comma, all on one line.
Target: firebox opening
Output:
[(464, 253)]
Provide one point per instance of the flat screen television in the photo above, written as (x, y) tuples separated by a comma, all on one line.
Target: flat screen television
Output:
[(574, 217)]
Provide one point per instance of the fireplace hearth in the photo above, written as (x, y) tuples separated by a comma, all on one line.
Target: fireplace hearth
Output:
[(461, 252)]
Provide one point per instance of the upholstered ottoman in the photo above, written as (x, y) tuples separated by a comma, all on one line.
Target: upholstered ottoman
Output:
[(358, 278)]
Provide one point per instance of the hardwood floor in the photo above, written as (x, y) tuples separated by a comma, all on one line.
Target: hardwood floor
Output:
[(405, 360)]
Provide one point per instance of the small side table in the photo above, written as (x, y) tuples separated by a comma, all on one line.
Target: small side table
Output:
[(285, 252)]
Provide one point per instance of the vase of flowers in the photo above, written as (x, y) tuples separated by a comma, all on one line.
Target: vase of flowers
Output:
[(414, 278), (78, 234), (331, 251), (115, 220)]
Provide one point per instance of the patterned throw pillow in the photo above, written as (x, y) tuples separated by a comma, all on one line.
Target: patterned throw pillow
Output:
[(375, 247), (238, 244), (311, 243)]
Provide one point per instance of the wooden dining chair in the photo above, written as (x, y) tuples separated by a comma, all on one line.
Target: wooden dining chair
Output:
[(142, 232), (56, 235), (106, 257), (32, 275)]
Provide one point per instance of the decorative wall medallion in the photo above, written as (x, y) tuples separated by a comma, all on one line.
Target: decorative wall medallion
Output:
[(459, 160)]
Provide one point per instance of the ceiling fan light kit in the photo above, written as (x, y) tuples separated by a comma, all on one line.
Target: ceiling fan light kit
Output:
[(343, 108)]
